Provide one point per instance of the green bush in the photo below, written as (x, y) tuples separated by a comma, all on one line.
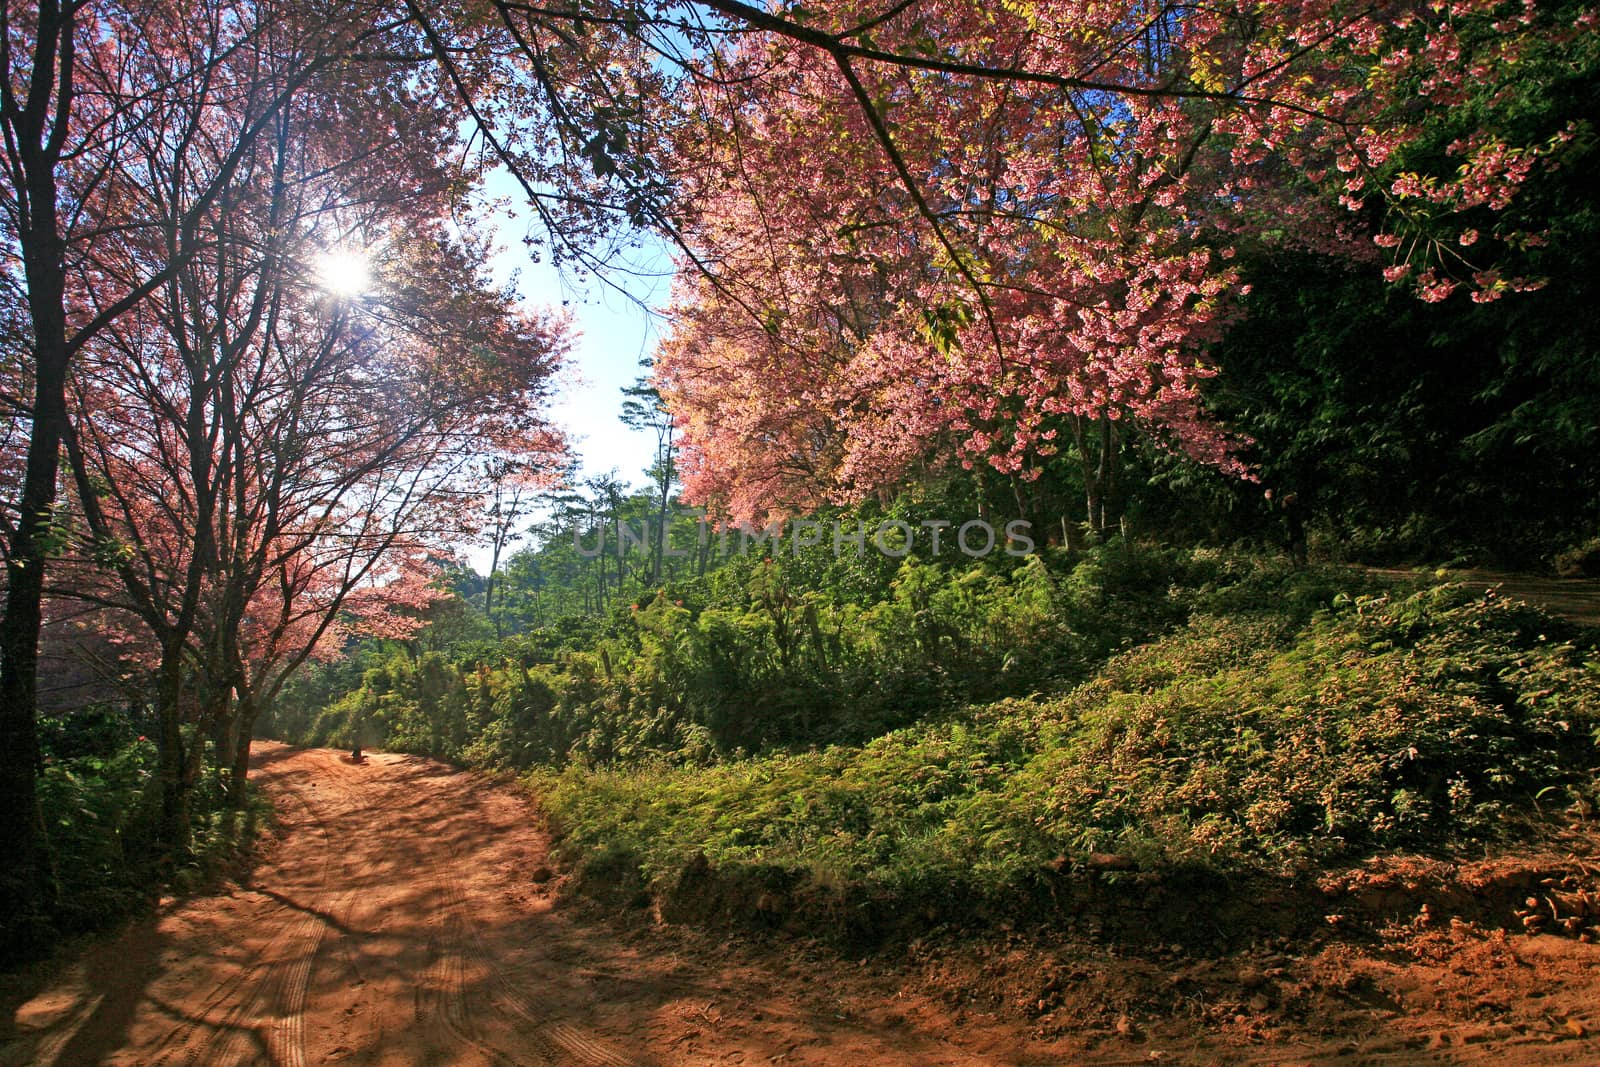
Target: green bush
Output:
[(774, 655), (941, 739), (1259, 741), (98, 819), (1580, 561), (1426, 720), (100, 814)]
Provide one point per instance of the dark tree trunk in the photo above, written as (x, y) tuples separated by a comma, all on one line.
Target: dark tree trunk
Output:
[(661, 514), (1110, 455), (1099, 458), (244, 726), (240, 775), (173, 758), (1091, 481), (488, 593), (26, 894), (26, 883)]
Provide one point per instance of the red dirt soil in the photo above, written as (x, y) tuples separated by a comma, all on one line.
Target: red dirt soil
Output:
[(407, 913)]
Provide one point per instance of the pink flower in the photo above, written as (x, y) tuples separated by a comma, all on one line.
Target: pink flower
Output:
[(1433, 289), (1468, 238)]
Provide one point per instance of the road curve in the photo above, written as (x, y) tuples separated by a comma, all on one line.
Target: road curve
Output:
[(400, 916), (372, 934)]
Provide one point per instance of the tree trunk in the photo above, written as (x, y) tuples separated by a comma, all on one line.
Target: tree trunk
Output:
[(661, 513), (26, 885), (244, 726), (488, 595), (1017, 498), (1099, 457), (173, 831), (1110, 510), (239, 777), (1091, 482)]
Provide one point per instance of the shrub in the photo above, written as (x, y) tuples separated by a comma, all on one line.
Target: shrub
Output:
[(1580, 561), (1248, 742)]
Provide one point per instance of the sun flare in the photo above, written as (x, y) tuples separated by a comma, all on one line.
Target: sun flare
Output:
[(344, 273)]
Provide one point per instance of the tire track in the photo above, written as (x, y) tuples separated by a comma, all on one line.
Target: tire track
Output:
[(440, 1004), (274, 1012), (286, 1039), (441, 991), (560, 1041), (49, 1043), (286, 1042), (466, 1005), (176, 1042), (230, 1043), (177, 1046)]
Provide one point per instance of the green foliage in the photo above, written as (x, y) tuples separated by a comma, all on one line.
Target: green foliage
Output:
[(767, 653), (97, 821), (1427, 431), (93, 730), (1423, 721), (1580, 561), (933, 733), (100, 801), (1261, 739)]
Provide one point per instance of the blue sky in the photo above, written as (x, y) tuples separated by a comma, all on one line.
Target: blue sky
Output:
[(613, 331), (613, 334)]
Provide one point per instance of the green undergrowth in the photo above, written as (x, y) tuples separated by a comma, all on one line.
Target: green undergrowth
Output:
[(99, 799), (1283, 725), (769, 655)]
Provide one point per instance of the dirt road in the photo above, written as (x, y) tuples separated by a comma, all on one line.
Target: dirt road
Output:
[(1577, 599), (405, 914)]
